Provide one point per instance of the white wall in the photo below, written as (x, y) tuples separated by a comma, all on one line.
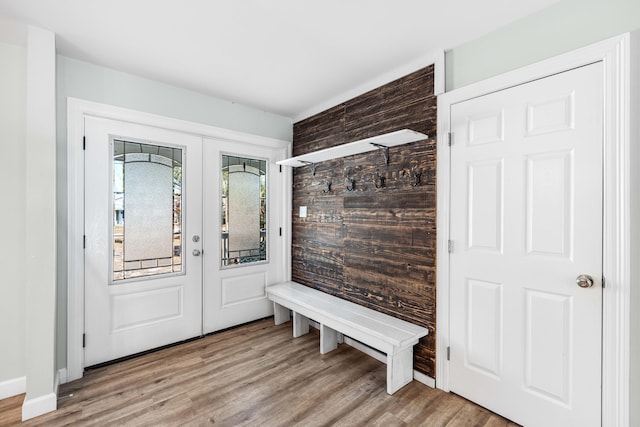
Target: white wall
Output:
[(82, 80), (563, 27), (12, 214)]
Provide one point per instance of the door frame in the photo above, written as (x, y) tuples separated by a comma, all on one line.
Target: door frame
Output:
[(77, 110), (615, 54)]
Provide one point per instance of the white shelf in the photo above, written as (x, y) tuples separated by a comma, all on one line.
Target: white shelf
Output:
[(384, 141)]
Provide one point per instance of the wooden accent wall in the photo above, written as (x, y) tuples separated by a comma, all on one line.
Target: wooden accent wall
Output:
[(373, 246)]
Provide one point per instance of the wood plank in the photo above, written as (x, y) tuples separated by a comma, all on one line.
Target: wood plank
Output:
[(11, 410), (253, 375)]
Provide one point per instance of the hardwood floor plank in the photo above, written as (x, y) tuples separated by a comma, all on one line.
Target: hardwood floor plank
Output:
[(10, 410), (254, 375), (469, 415)]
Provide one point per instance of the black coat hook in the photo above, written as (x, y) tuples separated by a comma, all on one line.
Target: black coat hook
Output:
[(350, 183), (379, 180), (328, 189), (415, 177)]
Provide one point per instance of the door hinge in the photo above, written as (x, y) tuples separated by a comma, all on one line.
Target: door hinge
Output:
[(280, 168), (84, 340), (450, 138), (448, 353), (450, 246), (84, 142), (84, 242), (281, 231), (603, 283)]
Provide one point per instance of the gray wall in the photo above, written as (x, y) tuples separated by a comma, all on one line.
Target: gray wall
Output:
[(13, 71), (565, 26), (82, 80)]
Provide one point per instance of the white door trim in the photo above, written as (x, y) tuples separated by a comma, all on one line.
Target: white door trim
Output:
[(615, 55), (77, 109)]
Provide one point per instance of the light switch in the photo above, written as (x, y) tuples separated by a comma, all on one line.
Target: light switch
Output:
[(303, 211)]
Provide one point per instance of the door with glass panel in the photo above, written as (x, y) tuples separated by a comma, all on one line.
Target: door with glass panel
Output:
[(242, 195), (143, 231)]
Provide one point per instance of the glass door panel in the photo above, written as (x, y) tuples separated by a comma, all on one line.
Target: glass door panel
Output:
[(147, 216), (244, 210)]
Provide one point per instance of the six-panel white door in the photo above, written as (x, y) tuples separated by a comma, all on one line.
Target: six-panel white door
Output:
[(143, 207), (526, 220)]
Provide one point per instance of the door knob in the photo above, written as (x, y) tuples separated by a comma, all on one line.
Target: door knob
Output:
[(196, 252), (584, 281)]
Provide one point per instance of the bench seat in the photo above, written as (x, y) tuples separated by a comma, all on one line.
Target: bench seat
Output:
[(390, 335)]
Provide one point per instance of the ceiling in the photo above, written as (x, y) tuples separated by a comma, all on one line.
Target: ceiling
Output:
[(282, 56)]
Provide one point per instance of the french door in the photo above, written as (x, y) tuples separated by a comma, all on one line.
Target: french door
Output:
[(157, 226), (241, 266), (526, 264)]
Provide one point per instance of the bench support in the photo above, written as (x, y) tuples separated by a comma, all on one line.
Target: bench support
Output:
[(399, 369), (280, 314), (300, 325), (328, 339)]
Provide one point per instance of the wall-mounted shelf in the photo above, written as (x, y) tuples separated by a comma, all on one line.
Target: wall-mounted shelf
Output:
[(380, 142)]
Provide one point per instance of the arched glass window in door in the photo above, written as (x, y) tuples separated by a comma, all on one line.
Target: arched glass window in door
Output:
[(147, 215), (244, 210)]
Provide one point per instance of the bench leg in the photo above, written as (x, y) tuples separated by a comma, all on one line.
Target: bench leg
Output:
[(280, 314), (328, 339), (300, 325), (399, 369)]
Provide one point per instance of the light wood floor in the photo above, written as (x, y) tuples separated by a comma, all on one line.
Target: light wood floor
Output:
[(255, 375)]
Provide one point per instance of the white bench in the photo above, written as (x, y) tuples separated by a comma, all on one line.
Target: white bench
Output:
[(336, 316)]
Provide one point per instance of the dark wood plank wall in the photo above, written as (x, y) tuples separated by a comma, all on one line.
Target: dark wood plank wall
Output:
[(373, 246)]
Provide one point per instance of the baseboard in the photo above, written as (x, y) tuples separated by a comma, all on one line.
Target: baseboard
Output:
[(14, 387), (424, 379), (41, 405), (378, 355)]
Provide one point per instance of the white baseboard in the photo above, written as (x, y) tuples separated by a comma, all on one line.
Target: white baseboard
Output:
[(424, 379), (41, 405), (378, 355), (13, 387)]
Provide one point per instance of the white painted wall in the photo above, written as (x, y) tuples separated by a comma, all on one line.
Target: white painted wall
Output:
[(82, 80), (563, 27), (13, 87)]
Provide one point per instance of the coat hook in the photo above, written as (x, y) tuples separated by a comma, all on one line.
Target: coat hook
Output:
[(350, 183), (328, 189), (415, 177), (379, 180)]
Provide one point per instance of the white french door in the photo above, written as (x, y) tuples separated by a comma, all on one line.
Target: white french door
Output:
[(142, 281), (235, 292), (526, 227), (154, 273)]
